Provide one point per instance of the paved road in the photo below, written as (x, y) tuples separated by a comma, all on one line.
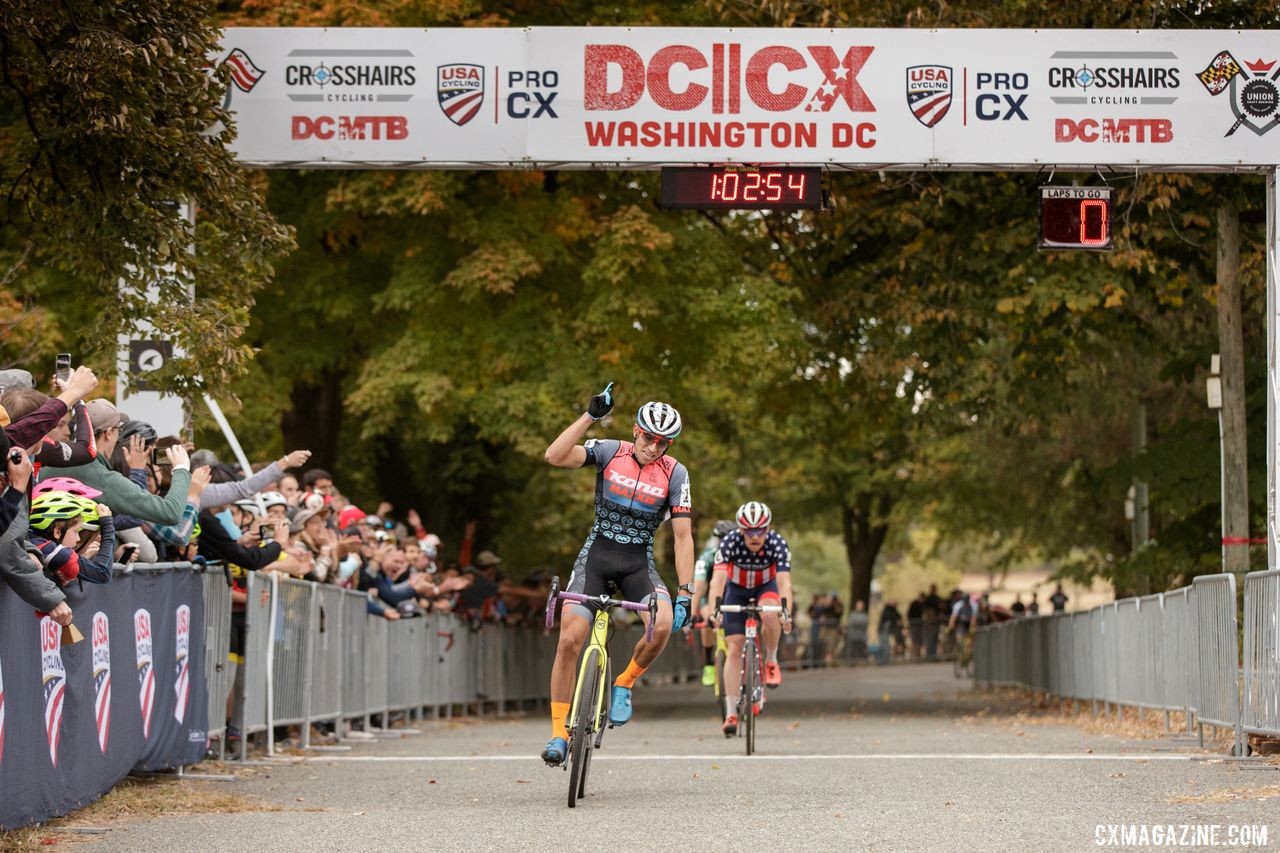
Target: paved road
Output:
[(894, 758)]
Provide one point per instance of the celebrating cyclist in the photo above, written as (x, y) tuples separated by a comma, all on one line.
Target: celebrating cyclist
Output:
[(638, 486), (701, 585), (753, 562)]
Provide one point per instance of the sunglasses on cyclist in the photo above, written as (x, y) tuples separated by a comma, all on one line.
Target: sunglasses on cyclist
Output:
[(754, 531), (650, 438)]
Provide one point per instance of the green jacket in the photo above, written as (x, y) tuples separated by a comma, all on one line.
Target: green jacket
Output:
[(124, 497)]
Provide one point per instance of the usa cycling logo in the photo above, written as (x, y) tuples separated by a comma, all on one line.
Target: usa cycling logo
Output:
[(146, 672), (460, 91), (929, 92), (182, 668), (102, 677), (55, 682), (1255, 100)]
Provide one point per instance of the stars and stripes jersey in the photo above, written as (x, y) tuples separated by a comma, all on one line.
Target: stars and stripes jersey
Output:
[(750, 570), (633, 501)]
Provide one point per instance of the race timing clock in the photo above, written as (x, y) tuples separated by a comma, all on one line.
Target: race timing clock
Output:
[(1075, 218), (742, 188)]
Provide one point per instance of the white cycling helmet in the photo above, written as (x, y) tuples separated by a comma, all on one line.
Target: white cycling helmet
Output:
[(660, 419), (270, 499), (753, 515)]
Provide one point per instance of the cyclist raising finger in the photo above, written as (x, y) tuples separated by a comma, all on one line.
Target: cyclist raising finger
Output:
[(638, 487)]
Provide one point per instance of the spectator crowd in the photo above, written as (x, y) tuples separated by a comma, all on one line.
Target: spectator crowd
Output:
[(85, 487)]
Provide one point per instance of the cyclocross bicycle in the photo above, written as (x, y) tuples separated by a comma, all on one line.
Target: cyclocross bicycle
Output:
[(589, 713), (751, 686)]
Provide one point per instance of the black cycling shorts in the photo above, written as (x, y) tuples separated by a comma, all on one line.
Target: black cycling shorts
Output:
[(629, 568)]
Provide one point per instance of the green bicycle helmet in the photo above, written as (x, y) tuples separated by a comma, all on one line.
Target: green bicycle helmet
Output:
[(62, 506)]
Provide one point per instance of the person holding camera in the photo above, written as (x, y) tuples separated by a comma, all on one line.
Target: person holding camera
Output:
[(118, 491), (22, 571), (34, 415)]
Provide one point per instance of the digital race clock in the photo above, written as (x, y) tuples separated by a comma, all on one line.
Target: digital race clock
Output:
[(1075, 218), (743, 188)]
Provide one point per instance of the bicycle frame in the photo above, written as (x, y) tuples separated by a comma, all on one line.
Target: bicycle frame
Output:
[(751, 683), (599, 640)]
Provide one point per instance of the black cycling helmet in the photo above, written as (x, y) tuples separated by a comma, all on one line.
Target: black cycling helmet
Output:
[(131, 428)]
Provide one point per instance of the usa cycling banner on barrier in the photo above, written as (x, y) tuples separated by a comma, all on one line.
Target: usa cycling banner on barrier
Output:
[(75, 718)]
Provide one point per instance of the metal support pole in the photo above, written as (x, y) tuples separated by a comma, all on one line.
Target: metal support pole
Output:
[(1273, 374)]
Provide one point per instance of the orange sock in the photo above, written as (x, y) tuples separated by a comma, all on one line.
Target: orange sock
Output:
[(559, 713), (629, 676)]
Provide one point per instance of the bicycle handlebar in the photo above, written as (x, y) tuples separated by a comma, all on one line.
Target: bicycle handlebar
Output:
[(603, 601), (748, 608)]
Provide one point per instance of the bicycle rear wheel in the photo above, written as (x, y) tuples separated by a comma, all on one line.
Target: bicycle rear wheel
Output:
[(583, 726), (720, 703), (750, 683)]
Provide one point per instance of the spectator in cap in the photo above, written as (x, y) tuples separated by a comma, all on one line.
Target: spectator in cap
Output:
[(118, 491)]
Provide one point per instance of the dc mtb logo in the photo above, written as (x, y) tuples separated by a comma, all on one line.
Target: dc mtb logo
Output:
[(146, 672), (182, 645), (102, 677), (460, 90), (55, 682), (1255, 100), (929, 92)]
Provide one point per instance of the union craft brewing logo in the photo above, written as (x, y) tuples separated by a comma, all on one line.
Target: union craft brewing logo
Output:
[(102, 677), (1255, 100), (146, 673), (929, 92), (55, 682), (460, 90), (182, 668)]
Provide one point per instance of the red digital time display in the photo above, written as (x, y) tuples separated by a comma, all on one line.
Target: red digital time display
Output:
[(740, 188), (1075, 218)]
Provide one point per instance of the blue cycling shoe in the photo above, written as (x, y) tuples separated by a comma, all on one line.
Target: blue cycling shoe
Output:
[(620, 708), (555, 751)]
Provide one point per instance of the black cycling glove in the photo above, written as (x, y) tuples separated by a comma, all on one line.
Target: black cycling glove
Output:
[(601, 404)]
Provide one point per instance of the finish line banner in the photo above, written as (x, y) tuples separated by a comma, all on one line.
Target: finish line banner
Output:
[(601, 97), (76, 718)]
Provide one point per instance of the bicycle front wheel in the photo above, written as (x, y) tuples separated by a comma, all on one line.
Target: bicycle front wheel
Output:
[(750, 683), (583, 726)]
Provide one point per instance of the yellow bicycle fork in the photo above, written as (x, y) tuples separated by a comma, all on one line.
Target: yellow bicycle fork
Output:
[(599, 641)]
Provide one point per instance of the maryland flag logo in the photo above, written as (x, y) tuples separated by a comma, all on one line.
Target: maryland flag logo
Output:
[(1254, 97)]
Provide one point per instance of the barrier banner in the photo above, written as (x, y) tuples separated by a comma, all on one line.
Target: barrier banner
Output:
[(76, 718)]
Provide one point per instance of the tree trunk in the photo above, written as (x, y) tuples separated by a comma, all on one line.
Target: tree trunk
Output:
[(864, 525), (314, 420), (1235, 466)]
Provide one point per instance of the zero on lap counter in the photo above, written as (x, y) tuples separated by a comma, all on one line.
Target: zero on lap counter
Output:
[(1075, 218)]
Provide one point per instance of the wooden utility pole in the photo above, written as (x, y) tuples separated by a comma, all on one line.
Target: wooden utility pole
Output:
[(1235, 466)]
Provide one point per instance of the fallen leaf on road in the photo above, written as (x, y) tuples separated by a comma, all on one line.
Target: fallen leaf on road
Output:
[(357, 814), (949, 803), (715, 766), (1089, 750), (522, 781), (697, 775), (793, 726), (302, 799), (431, 781), (1117, 775)]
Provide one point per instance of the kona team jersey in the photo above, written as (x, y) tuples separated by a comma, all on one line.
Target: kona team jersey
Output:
[(752, 570), (633, 501)]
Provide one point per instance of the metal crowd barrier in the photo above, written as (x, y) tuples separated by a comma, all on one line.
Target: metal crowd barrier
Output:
[(1260, 711), (217, 633), (1173, 651), (1218, 695)]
